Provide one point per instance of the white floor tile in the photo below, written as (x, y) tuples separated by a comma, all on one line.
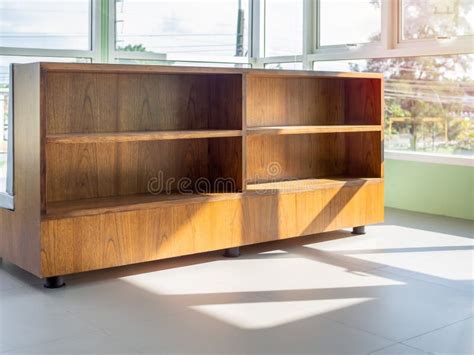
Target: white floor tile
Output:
[(88, 343), (405, 310), (27, 317), (457, 339), (432, 267), (8, 281), (12, 276), (127, 302), (200, 332)]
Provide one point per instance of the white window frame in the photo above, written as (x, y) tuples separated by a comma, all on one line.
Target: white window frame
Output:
[(94, 53), (390, 45)]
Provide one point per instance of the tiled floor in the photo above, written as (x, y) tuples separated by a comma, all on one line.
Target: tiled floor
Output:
[(406, 287)]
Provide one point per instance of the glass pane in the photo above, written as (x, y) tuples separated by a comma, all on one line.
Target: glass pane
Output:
[(283, 27), (5, 62), (349, 21), (424, 19), (285, 66), (208, 27), (429, 101), (47, 24)]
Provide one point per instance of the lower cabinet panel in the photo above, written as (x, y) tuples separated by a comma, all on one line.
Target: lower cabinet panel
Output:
[(72, 245)]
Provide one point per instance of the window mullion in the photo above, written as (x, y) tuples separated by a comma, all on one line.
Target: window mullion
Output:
[(112, 18), (96, 18), (258, 28), (309, 14), (389, 24)]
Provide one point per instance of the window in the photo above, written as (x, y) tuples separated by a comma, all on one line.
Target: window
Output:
[(285, 66), (283, 27), (428, 19), (5, 62), (208, 27), (45, 24), (429, 101), (349, 21)]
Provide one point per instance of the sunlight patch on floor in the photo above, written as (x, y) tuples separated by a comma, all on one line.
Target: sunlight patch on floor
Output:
[(261, 315)]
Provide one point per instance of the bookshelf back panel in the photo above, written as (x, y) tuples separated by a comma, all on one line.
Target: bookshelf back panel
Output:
[(80, 171), (363, 103), (278, 101), (291, 157), (98, 102), (295, 101), (295, 156)]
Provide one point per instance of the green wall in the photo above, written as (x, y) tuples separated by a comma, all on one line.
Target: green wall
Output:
[(430, 188)]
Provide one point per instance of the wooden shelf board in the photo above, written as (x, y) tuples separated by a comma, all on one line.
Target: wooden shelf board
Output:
[(283, 130), (73, 138), (93, 206), (310, 184)]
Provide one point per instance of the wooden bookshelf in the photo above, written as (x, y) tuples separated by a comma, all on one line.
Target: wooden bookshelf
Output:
[(120, 164)]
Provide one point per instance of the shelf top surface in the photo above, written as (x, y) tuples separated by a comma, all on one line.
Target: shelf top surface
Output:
[(166, 69)]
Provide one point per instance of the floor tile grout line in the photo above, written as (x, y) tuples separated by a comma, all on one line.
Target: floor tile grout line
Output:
[(400, 343), (434, 330), (467, 293), (358, 328)]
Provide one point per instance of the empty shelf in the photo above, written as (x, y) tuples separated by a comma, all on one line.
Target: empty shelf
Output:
[(281, 130), (72, 138)]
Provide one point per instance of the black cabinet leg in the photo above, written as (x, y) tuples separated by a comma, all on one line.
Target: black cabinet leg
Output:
[(232, 252), (358, 230), (54, 282)]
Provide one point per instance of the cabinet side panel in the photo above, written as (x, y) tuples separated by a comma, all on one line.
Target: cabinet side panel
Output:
[(20, 229)]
